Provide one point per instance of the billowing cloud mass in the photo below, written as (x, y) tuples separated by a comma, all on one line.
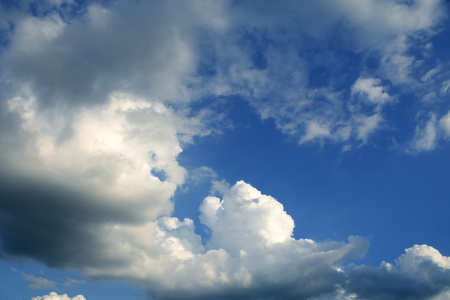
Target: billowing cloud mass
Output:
[(98, 100), (420, 273), (55, 296)]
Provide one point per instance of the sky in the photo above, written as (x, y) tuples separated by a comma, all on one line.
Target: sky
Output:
[(224, 150)]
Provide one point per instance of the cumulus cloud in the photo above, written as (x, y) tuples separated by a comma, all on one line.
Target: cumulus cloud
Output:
[(420, 273), (55, 296), (98, 102), (100, 172), (250, 253), (93, 154), (244, 210)]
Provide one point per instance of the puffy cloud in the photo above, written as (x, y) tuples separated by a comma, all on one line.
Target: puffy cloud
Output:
[(245, 215), (90, 143), (250, 253), (371, 89), (99, 172), (55, 296), (420, 273)]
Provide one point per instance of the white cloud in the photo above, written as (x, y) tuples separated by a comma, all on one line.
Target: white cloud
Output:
[(425, 138), (372, 89), (365, 125), (445, 88), (369, 98), (281, 87), (430, 74), (110, 150), (444, 123), (251, 251), (245, 218), (55, 296), (202, 173), (315, 130), (385, 30), (163, 62)]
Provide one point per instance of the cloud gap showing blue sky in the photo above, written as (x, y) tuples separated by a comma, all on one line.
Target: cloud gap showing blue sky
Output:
[(224, 149)]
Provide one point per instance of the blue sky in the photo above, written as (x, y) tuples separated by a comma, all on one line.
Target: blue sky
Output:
[(224, 150)]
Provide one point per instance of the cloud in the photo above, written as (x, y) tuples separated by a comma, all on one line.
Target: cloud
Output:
[(240, 49), (285, 68), (371, 89), (420, 273), (251, 252), (445, 87), (167, 258), (80, 61), (100, 173), (426, 138), (55, 296), (98, 102), (102, 211), (39, 282), (70, 281), (245, 215), (444, 123), (369, 98)]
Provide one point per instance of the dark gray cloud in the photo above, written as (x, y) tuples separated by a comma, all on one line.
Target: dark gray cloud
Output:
[(420, 273), (82, 60), (52, 224)]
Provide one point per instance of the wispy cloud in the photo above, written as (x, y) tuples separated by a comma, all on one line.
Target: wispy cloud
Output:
[(70, 281), (39, 282)]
